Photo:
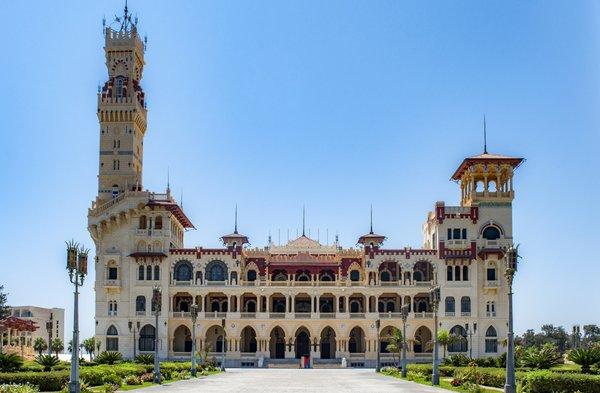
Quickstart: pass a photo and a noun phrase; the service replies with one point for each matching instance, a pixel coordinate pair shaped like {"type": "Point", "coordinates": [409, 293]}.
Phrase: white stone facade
{"type": "Point", "coordinates": [280, 302]}
{"type": "Point", "coordinates": [40, 316]}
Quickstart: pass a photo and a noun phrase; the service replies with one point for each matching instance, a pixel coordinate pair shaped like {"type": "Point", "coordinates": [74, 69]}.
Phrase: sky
{"type": "Point", "coordinates": [333, 105]}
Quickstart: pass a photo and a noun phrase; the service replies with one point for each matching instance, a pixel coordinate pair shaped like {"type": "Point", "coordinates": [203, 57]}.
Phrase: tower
{"type": "Point", "coordinates": [121, 111]}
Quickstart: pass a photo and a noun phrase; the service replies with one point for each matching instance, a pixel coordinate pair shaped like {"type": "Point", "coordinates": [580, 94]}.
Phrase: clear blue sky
{"type": "Point", "coordinates": [336, 105]}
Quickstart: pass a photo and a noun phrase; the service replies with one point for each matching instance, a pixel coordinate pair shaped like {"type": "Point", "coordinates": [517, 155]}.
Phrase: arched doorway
{"type": "Point", "coordinates": [182, 340]}
{"type": "Point", "coordinates": [423, 339]}
{"type": "Point", "coordinates": [302, 344]}
{"type": "Point", "coordinates": [277, 343]}
{"type": "Point", "coordinates": [356, 342]}
{"type": "Point", "coordinates": [248, 340]}
{"type": "Point", "coordinates": [328, 343]}
{"type": "Point", "coordinates": [214, 339]}
{"type": "Point", "coordinates": [146, 340]}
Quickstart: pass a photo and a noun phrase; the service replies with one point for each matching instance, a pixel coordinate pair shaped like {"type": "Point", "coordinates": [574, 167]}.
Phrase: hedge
{"type": "Point", "coordinates": [47, 381]}
{"type": "Point", "coordinates": [551, 382]}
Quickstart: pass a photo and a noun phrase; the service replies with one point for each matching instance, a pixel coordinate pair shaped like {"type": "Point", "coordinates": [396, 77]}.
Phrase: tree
{"type": "Point", "coordinates": [57, 346]}
{"type": "Point", "coordinates": [89, 344]}
{"type": "Point", "coordinates": [541, 358]}
{"type": "Point", "coordinates": [585, 357]}
{"type": "Point", "coordinates": [591, 334]}
{"type": "Point", "coordinates": [4, 309]}
{"type": "Point", "coordinates": [39, 345]}
{"type": "Point", "coordinates": [395, 344]}
{"type": "Point", "coordinates": [444, 338]}
{"type": "Point", "coordinates": [556, 335]}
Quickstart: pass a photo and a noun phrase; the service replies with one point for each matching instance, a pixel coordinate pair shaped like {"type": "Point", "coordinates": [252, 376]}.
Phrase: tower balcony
{"type": "Point", "coordinates": [112, 283]}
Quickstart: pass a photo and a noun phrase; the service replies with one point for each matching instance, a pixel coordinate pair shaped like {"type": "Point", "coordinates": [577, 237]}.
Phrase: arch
{"type": "Point", "coordinates": [450, 304]}
{"type": "Point", "coordinates": [216, 270]}
{"type": "Point", "coordinates": [302, 342]}
{"type": "Point", "coordinates": [279, 275]}
{"type": "Point", "coordinates": [327, 344]}
{"type": "Point", "coordinates": [156, 272]}
{"type": "Point", "coordinates": [149, 272]}
{"type": "Point", "coordinates": [491, 340]}
{"type": "Point", "coordinates": [465, 273]}
{"type": "Point", "coordinates": [183, 271]}
{"type": "Point", "coordinates": [141, 246]}
{"type": "Point", "coordinates": [277, 343]}
{"type": "Point", "coordinates": [326, 275]}
{"type": "Point", "coordinates": [449, 273]}
{"type": "Point", "coordinates": [386, 336]}
{"type": "Point", "coordinates": [457, 274]}
{"type": "Point", "coordinates": [491, 232]}
{"type": "Point", "coordinates": [141, 272]}
{"type": "Point", "coordinates": [423, 271]}
{"type": "Point", "coordinates": [385, 275]}
{"type": "Point", "coordinates": [214, 339]}
{"type": "Point", "coordinates": [158, 222]}
{"type": "Point", "coordinates": [182, 339]}
{"type": "Point", "coordinates": [423, 338]}
{"type": "Point", "coordinates": [140, 303]}
{"type": "Point", "coordinates": [460, 344]}
{"type": "Point", "coordinates": [147, 337]}
{"type": "Point", "coordinates": [303, 276]}
{"type": "Point", "coordinates": [465, 304]}
{"type": "Point", "coordinates": [112, 341]}
{"type": "Point", "coordinates": [356, 340]}
{"type": "Point", "coordinates": [248, 340]}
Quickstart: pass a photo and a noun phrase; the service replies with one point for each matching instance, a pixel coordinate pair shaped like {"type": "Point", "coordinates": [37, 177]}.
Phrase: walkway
{"type": "Point", "coordinates": [296, 380]}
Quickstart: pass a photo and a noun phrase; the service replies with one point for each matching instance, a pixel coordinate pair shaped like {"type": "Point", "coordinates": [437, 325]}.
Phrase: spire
{"type": "Point", "coordinates": [168, 182]}
{"type": "Point", "coordinates": [303, 220]}
{"type": "Point", "coordinates": [371, 232]}
{"type": "Point", "coordinates": [484, 136]}
{"type": "Point", "coordinates": [235, 227]}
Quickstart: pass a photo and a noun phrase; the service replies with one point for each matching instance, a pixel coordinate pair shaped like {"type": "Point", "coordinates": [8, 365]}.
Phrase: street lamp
{"type": "Point", "coordinates": [223, 346]}
{"type": "Point", "coordinates": [512, 260]}
{"type": "Point", "coordinates": [404, 315]}
{"type": "Point", "coordinates": [377, 325]}
{"type": "Point", "coordinates": [156, 305]}
{"type": "Point", "coordinates": [470, 333]}
{"type": "Point", "coordinates": [77, 268]}
{"type": "Point", "coordinates": [49, 330]}
{"type": "Point", "coordinates": [434, 297]}
{"type": "Point", "coordinates": [132, 328]}
{"type": "Point", "coordinates": [194, 315]}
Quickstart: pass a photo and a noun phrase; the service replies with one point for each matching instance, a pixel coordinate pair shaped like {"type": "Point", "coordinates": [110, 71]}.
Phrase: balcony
{"type": "Point", "coordinates": [277, 315]}
{"type": "Point", "coordinates": [491, 284]}
{"type": "Point", "coordinates": [327, 315]}
{"type": "Point", "coordinates": [423, 315]}
{"type": "Point", "coordinates": [140, 313]}
{"type": "Point", "coordinates": [423, 283]}
{"type": "Point", "coordinates": [357, 315]}
{"type": "Point", "coordinates": [491, 243]}
{"type": "Point", "coordinates": [248, 315]}
{"type": "Point", "coordinates": [181, 314]}
{"type": "Point", "coordinates": [490, 314]}
{"type": "Point", "coordinates": [457, 244]}
{"type": "Point", "coordinates": [215, 283]}
{"type": "Point", "coordinates": [389, 283]}
{"type": "Point", "coordinates": [450, 313]}
{"type": "Point", "coordinates": [185, 283]}
{"type": "Point", "coordinates": [465, 313]}
{"type": "Point", "coordinates": [112, 313]}
{"type": "Point", "coordinates": [390, 315]}
{"type": "Point", "coordinates": [112, 283]}
{"type": "Point", "coordinates": [302, 315]}
{"type": "Point", "coordinates": [215, 315]}
{"type": "Point", "coordinates": [153, 232]}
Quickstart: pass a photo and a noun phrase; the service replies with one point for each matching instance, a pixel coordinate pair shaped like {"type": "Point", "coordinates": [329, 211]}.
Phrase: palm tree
{"type": "Point", "coordinates": [444, 338]}
{"type": "Point", "coordinates": [585, 357]}
{"type": "Point", "coordinates": [89, 344]}
{"type": "Point", "coordinates": [57, 346]}
{"type": "Point", "coordinates": [395, 343]}
{"type": "Point", "coordinates": [39, 345]}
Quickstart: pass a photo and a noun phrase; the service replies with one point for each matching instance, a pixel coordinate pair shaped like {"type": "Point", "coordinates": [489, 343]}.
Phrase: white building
{"type": "Point", "coordinates": [283, 302]}
{"type": "Point", "coordinates": [40, 316]}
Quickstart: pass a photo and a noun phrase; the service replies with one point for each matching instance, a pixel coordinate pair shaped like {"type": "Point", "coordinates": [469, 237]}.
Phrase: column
{"type": "Point", "coordinates": [287, 304]}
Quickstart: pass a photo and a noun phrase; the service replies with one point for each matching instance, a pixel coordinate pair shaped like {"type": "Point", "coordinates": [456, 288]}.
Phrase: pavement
{"type": "Point", "coordinates": [296, 380]}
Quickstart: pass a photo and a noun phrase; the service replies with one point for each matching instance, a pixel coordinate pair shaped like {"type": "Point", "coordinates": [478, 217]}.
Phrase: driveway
{"type": "Point", "coordinates": [295, 380]}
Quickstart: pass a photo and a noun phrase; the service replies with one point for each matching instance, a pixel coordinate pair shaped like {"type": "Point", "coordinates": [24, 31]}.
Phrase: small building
{"type": "Point", "coordinates": [40, 316]}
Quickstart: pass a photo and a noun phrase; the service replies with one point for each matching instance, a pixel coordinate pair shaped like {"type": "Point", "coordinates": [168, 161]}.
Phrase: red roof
{"type": "Point", "coordinates": [22, 325]}
{"type": "Point", "coordinates": [175, 209]}
{"type": "Point", "coordinates": [486, 158]}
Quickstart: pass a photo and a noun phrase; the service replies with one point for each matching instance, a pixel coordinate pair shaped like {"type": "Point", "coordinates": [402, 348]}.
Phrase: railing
{"type": "Point", "coordinates": [492, 283]}
{"type": "Point", "coordinates": [327, 315]}
{"type": "Point", "coordinates": [248, 315]}
{"type": "Point", "coordinates": [185, 283]}
{"type": "Point", "coordinates": [465, 313]}
{"type": "Point", "coordinates": [152, 232]}
{"type": "Point", "coordinates": [248, 355]}
{"type": "Point", "coordinates": [450, 313]}
{"type": "Point", "coordinates": [277, 315]}
{"type": "Point", "coordinates": [215, 314]}
{"type": "Point", "coordinates": [112, 313]}
{"type": "Point", "coordinates": [357, 315]}
{"type": "Point", "coordinates": [356, 283]}
{"type": "Point", "coordinates": [423, 283]}
{"type": "Point", "coordinates": [357, 355]}
{"type": "Point", "coordinates": [112, 283]}
{"type": "Point", "coordinates": [390, 315]}
{"type": "Point", "coordinates": [389, 283]}
{"type": "Point", "coordinates": [492, 243]}
{"type": "Point", "coordinates": [215, 283]}
{"type": "Point", "coordinates": [423, 315]}
{"type": "Point", "coordinates": [490, 314]}
{"type": "Point", "coordinates": [457, 243]}
{"type": "Point", "coordinates": [181, 314]}
{"type": "Point", "coordinates": [302, 315]}
{"type": "Point", "coordinates": [140, 313]}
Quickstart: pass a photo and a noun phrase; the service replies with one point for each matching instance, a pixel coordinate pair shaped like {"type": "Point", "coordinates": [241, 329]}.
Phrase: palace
{"type": "Point", "coordinates": [277, 303]}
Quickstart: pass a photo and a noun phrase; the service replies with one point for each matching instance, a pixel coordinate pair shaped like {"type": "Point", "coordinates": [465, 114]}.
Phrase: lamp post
{"type": "Point", "coordinates": [156, 305]}
{"type": "Point", "coordinates": [223, 346]}
{"type": "Point", "coordinates": [512, 260]}
{"type": "Point", "coordinates": [194, 315]}
{"type": "Point", "coordinates": [77, 268]}
{"type": "Point", "coordinates": [404, 315]}
{"type": "Point", "coordinates": [132, 328]}
{"type": "Point", "coordinates": [434, 296]}
{"type": "Point", "coordinates": [470, 343]}
{"type": "Point", "coordinates": [49, 330]}
{"type": "Point", "coordinates": [377, 325]}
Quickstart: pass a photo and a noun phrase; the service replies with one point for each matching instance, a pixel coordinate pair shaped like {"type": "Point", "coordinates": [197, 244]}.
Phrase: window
{"type": "Point", "coordinates": [465, 304]}
{"type": "Point", "coordinates": [140, 304]}
{"type": "Point", "coordinates": [491, 274]}
{"type": "Point", "coordinates": [141, 273]}
{"type": "Point", "coordinates": [490, 309]}
{"type": "Point", "coordinates": [354, 275]}
{"type": "Point", "coordinates": [115, 190]}
{"type": "Point", "coordinates": [456, 233]}
{"type": "Point", "coordinates": [112, 341]}
{"type": "Point", "coordinates": [148, 272]}
{"type": "Point", "coordinates": [449, 274]}
{"type": "Point", "coordinates": [183, 271]}
{"type": "Point", "coordinates": [465, 271]}
{"type": "Point", "coordinates": [457, 273]}
{"type": "Point", "coordinates": [251, 275]}
{"type": "Point", "coordinates": [146, 340]}
{"type": "Point", "coordinates": [385, 276]}
{"type": "Point", "coordinates": [112, 273]}
{"type": "Point", "coordinates": [119, 84]}
{"type": "Point", "coordinates": [491, 340]}
{"type": "Point", "coordinates": [450, 304]}
{"type": "Point", "coordinates": [158, 222]}
{"type": "Point", "coordinates": [464, 233]}
{"type": "Point", "coordinates": [157, 272]}
{"type": "Point", "coordinates": [216, 271]}
{"type": "Point", "coordinates": [461, 342]}
{"type": "Point", "coordinates": [142, 222]}
{"type": "Point", "coordinates": [491, 233]}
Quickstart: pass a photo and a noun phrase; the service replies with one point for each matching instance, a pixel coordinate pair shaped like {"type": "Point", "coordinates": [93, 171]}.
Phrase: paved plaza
{"type": "Point", "coordinates": [296, 380]}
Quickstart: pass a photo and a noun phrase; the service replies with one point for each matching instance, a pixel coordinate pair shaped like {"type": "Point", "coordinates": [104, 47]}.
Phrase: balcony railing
{"type": "Point", "coordinates": [302, 315]}
{"type": "Point", "coordinates": [185, 283]}
{"type": "Point", "coordinates": [492, 283]}
{"type": "Point", "coordinates": [450, 313]}
{"type": "Point", "coordinates": [248, 315]}
{"type": "Point", "coordinates": [465, 313]}
{"type": "Point", "coordinates": [423, 315]}
{"type": "Point", "coordinates": [215, 283]}
{"type": "Point", "coordinates": [357, 315]}
{"type": "Point", "coordinates": [327, 315]}
{"type": "Point", "coordinates": [423, 283]}
{"type": "Point", "coordinates": [112, 282]}
{"type": "Point", "coordinates": [389, 283]}
{"type": "Point", "coordinates": [277, 315]}
{"type": "Point", "coordinates": [112, 313]}
{"type": "Point", "coordinates": [457, 244]}
{"type": "Point", "coordinates": [140, 313]}
{"type": "Point", "coordinates": [181, 314]}
{"type": "Point", "coordinates": [215, 315]}
{"type": "Point", "coordinates": [490, 314]}
{"type": "Point", "coordinates": [390, 315]}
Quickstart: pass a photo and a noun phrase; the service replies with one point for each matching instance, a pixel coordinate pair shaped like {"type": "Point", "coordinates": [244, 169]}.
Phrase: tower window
{"type": "Point", "coordinates": [120, 82]}
{"type": "Point", "coordinates": [491, 233]}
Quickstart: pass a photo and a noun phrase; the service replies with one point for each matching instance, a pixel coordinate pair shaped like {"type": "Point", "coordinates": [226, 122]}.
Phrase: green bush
{"type": "Point", "coordinates": [585, 357]}
{"type": "Point", "coordinates": [145, 359]}
{"type": "Point", "coordinates": [550, 382]}
{"type": "Point", "coordinates": [133, 380]}
{"type": "Point", "coordinates": [52, 381]}
{"type": "Point", "coordinates": [457, 360]}
{"type": "Point", "coordinates": [109, 357]}
{"type": "Point", "coordinates": [47, 361]}
{"type": "Point", "coordinates": [111, 379]}
{"type": "Point", "coordinates": [10, 362]}
{"type": "Point", "coordinates": [541, 358]}
{"type": "Point", "coordinates": [18, 389]}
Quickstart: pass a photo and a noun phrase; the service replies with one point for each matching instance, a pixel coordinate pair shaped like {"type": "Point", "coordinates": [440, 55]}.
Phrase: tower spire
{"type": "Point", "coordinates": [484, 136]}
{"type": "Point", "coordinates": [235, 230]}
{"type": "Point", "coordinates": [303, 220]}
{"type": "Point", "coordinates": [168, 181]}
{"type": "Point", "coordinates": [371, 232]}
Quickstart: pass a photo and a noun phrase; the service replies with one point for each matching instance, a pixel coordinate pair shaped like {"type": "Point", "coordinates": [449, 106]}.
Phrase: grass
{"type": "Point", "coordinates": [444, 383]}
{"type": "Point", "coordinates": [125, 388]}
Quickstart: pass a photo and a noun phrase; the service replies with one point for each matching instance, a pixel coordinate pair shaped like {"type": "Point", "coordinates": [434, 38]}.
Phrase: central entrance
{"type": "Point", "coordinates": [302, 342]}
{"type": "Point", "coordinates": [327, 343]}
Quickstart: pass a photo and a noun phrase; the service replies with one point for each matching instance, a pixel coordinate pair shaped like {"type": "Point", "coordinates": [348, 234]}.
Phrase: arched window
{"type": "Point", "coordinates": [457, 273]}
{"type": "Point", "coordinates": [112, 341]}
{"type": "Point", "coordinates": [491, 340]}
{"type": "Point", "coordinates": [158, 222]}
{"type": "Point", "coordinates": [449, 273]}
{"type": "Point", "coordinates": [490, 309]}
{"type": "Point", "coordinates": [465, 304]}
{"type": "Point", "coordinates": [303, 277]}
{"type": "Point", "coordinates": [491, 233]}
{"type": "Point", "coordinates": [183, 271]}
{"type": "Point", "coordinates": [146, 340]}
{"type": "Point", "coordinates": [143, 222]}
{"type": "Point", "coordinates": [355, 275]}
{"type": "Point", "coordinates": [119, 87]}
{"type": "Point", "coordinates": [251, 275]}
{"type": "Point", "coordinates": [157, 272]}
{"type": "Point", "coordinates": [141, 272]}
{"type": "Point", "coordinates": [465, 271]}
{"type": "Point", "coordinates": [148, 272]}
{"type": "Point", "coordinates": [280, 276]}
{"type": "Point", "coordinates": [450, 305]}
{"type": "Point", "coordinates": [460, 344]}
{"type": "Point", "coordinates": [140, 304]}
{"type": "Point", "coordinates": [216, 271]}
{"type": "Point", "coordinates": [385, 276]}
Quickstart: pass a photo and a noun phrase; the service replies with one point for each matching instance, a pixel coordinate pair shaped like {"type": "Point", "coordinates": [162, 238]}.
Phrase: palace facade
{"type": "Point", "coordinates": [280, 302]}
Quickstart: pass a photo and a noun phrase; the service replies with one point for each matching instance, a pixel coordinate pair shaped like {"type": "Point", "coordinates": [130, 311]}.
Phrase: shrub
{"type": "Point", "coordinates": [111, 379]}
{"type": "Point", "coordinates": [47, 361]}
{"type": "Point", "coordinates": [10, 362]}
{"type": "Point", "coordinates": [148, 377]}
{"type": "Point", "coordinates": [470, 387]}
{"type": "Point", "coordinates": [52, 381]}
{"type": "Point", "coordinates": [133, 380]}
{"type": "Point", "coordinates": [585, 357]}
{"type": "Point", "coordinates": [541, 358]}
{"type": "Point", "coordinates": [109, 357]}
{"type": "Point", "coordinates": [18, 388]}
{"type": "Point", "coordinates": [144, 359]}
{"type": "Point", "coordinates": [550, 382]}
{"type": "Point", "coordinates": [457, 360]}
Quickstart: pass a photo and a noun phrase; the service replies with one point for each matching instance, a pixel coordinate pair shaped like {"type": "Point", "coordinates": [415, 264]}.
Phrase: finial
{"type": "Point", "coordinates": [371, 232]}
{"type": "Point", "coordinates": [235, 226]}
{"type": "Point", "coordinates": [484, 136]}
{"type": "Point", "coordinates": [303, 220]}
{"type": "Point", "coordinates": [168, 181]}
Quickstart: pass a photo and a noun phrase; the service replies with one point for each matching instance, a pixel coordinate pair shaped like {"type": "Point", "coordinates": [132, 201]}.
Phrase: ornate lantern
{"type": "Point", "coordinates": [72, 249]}
{"type": "Point", "coordinates": [83, 258]}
